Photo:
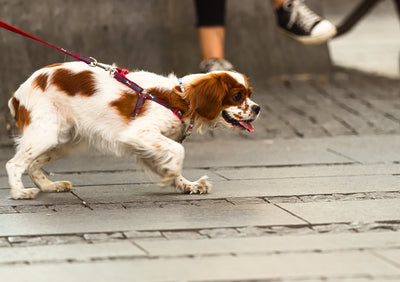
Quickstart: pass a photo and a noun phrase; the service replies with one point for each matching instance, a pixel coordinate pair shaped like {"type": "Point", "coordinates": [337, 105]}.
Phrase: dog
{"type": "Point", "coordinates": [62, 106]}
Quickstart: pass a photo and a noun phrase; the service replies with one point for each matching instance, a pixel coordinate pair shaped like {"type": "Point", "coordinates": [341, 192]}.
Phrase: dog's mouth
{"type": "Point", "coordinates": [242, 124]}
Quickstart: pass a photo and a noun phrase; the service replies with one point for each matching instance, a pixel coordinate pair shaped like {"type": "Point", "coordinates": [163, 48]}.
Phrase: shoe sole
{"type": "Point", "coordinates": [310, 40]}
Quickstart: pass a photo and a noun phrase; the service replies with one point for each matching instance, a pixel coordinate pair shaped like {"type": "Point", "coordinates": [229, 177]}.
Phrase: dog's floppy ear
{"type": "Point", "coordinates": [206, 95]}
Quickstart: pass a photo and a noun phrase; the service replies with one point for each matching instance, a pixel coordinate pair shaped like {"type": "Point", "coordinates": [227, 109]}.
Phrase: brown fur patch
{"type": "Point", "coordinates": [22, 114]}
{"type": "Point", "coordinates": [125, 105]}
{"type": "Point", "coordinates": [82, 83]}
{"type": "Point", "coordinates": [172, 97]}
{"type": "Point", "coordinates": [53, 65]}
{"type": "Point", "coordinates": [41, 81]}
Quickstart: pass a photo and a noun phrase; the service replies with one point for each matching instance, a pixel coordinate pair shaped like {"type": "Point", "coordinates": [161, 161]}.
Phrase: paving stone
{"type": "Point", "coordinates": [68, 252]}
{"type": "Point", "coordinates": [139, 205]}
{"type": "Point", "coordinates": [146, 219]}
{"type": "Point", "coordinates": [41, 199]}
{"type": "Point", "coordinates": [7, 209]}
{"type": "Point", "coordinates": [101, 237]}
{"type": "Point", "coordinates": [142, 195]}
{"type": "Point", "coordinates": [371, 149]}
{"type": "Point", "coordinates": [284, 199]}
{"type": "Point", "coordinates": [354, 263]}
{"type": "Point", "coordinates": [272, 244]}
{"type": "Point", "coordinates": [309, 171]}
{"type": "Point", "coordinates": [23, 240]}
{"type": "Point", "coordinates": [62, 239]}
{"type": "Point", "coordinates": [344, 211]}
{"type": "Point", "coordinates": [107, 206]}
{"type": "Point", "coordinates": [246, 201]}
{"type": "Point", "coordinates": [4, 242]}
{"type": "Point", "coordinates": [335, 228]}
{"type": "Point", "coordinates": [68, 208]}
{"type": "Point", "coordinates": [34, 209]}
{"type": "Point", "coordinates": [91, 161]}
{"type": "Point", "coordinates": [251, 231]}
{"type": "Point", "coordinates": [142, 234]}
{"type": "Point", "coordinates": [220, 232]}
{"type": "Point", "coordinates": [186, 235]}
{"type": "Point", "coordinates": [392, 255]}
{"type": "Point", "coordinates": [285, 152]}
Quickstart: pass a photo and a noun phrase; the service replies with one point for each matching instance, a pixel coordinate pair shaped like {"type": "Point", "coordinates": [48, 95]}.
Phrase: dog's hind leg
{"type": "Point", "coordinates": [26, 153]}
{"type": "Point", "coordinates": [38, 138]}
{"type": "Point", "coordinates": [38, 177]}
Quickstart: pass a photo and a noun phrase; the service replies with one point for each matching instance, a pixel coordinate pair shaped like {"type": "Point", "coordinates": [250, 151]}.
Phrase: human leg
{"type": "Point", "coordinates": [211, 32]}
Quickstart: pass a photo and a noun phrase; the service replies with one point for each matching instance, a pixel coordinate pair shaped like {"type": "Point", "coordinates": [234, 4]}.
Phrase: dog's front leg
{"type": "Point", "coordinates": [165, 157]}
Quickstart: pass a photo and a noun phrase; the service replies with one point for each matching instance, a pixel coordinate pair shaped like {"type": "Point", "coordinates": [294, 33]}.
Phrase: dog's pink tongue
{"type": "Point", "coordinates": [247, 125]}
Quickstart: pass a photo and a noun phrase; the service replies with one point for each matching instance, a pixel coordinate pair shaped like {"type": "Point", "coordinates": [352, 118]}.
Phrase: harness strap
{"type": "Point", "coordinates": [118, 74]}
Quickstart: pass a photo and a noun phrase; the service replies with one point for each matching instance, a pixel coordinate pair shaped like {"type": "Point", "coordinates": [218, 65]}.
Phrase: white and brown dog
{"type": "Point", "coordinates": [65, 105]}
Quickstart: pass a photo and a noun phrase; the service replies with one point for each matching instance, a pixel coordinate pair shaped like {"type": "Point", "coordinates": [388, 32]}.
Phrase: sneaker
{"type": "Point", "coordinates": [297, 21]}
{"type": "Point", "coordinates": [215, 65]}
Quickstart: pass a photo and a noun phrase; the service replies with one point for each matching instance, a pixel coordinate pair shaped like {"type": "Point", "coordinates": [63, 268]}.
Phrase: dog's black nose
{"type": "Point", "coordinates": [256, 108]}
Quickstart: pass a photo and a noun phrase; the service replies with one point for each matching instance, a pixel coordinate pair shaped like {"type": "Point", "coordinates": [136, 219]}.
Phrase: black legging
{"type": "Point", "coordinates": [210, 12]}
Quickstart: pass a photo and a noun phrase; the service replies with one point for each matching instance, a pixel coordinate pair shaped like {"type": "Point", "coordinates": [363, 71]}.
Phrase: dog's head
{"type": "Point", "coordinates": [223, 98]}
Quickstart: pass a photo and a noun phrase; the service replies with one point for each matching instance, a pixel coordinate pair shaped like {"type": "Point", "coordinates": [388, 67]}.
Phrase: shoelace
{"type": "Point", "coordinates": [301, 14]}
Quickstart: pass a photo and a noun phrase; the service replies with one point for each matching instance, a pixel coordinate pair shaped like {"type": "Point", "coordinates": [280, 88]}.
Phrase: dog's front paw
{"type": "Point", "coordinates": [201, 186]}
{"type": "Point", "coordinates": [24, 194]}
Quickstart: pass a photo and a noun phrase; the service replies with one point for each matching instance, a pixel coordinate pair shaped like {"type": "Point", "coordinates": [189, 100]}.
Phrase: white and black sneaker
{"type": "Point", "coordinates": [297, 21]}
{"type": "Point", "coordinates": [216, 65]}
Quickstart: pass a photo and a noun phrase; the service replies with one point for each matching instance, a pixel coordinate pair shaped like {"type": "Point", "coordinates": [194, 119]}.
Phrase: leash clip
{"type": "Point", "coordinates": [109, 68]}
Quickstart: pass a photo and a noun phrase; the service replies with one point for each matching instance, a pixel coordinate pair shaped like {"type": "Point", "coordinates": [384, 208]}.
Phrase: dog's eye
{"type": "Point", "coordinates": [237, 96]}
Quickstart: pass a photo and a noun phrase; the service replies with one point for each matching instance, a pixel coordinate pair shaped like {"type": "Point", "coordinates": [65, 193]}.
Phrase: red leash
{"type": "Point", "coordinates": [119, 74]}
{"type": "Point", "coordinates": [82, 58]}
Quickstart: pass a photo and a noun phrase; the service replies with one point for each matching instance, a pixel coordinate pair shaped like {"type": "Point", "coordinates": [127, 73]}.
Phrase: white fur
{"type": "Point", "coordinates": [60, 123]}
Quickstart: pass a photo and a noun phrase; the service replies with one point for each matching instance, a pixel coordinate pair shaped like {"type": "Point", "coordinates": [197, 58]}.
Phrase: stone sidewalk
{"type": "Point", "coordinates": [312, 195]}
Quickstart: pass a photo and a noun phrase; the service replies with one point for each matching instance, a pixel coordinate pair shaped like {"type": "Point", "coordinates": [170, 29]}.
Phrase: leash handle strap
{"type": "Point", "coordinates": [72, 54]}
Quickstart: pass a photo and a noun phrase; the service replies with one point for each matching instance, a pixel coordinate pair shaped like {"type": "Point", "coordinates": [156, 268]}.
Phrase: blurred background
{"type": "Point", "coordinates": [161, 36]}
{"type": "Point", "coordinates": [373, 45]}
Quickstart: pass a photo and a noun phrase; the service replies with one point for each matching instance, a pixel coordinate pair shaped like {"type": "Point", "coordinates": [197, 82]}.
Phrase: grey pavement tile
{"type": "Point", "coordinates": [238, 189]}
{"type": "Point", "coordinates": [184, 235]}
{"type": "Point", "coordinates": [274, 243]}
{"type": "Point", "coordinates": [369, 149]}
{"type": "Point", "coordinates": [352, 211]}
{"type": "Point", "coordinates": [308, 171]}
{"type": "Point", "coordinates": [91, 162]}
{"type": "Point", "coordinates": [69, 252]}
{"type": "Point", "coordinates": [260, 152]}
{"type": "Point", "coordinates": [7, 209]}
{"type": "Point", "coordinates": [392, 255]}
{"type": "Point", "coordinates": [4, 242]}
{"type": "Point", "coordinates": [41, 199]}
{"type": "Point", "coordinates": [111, 177]}
{"type": "Point", "coordinates": [146, 219]}
{"type": "Point", "coordinates": [102, 237]}
{"type": "Point", "coordinates": [243, 267]}
{"type": "Point", "coordinates": [142, 234]}
{"type": "Point", "coordinates": [25, 179]}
